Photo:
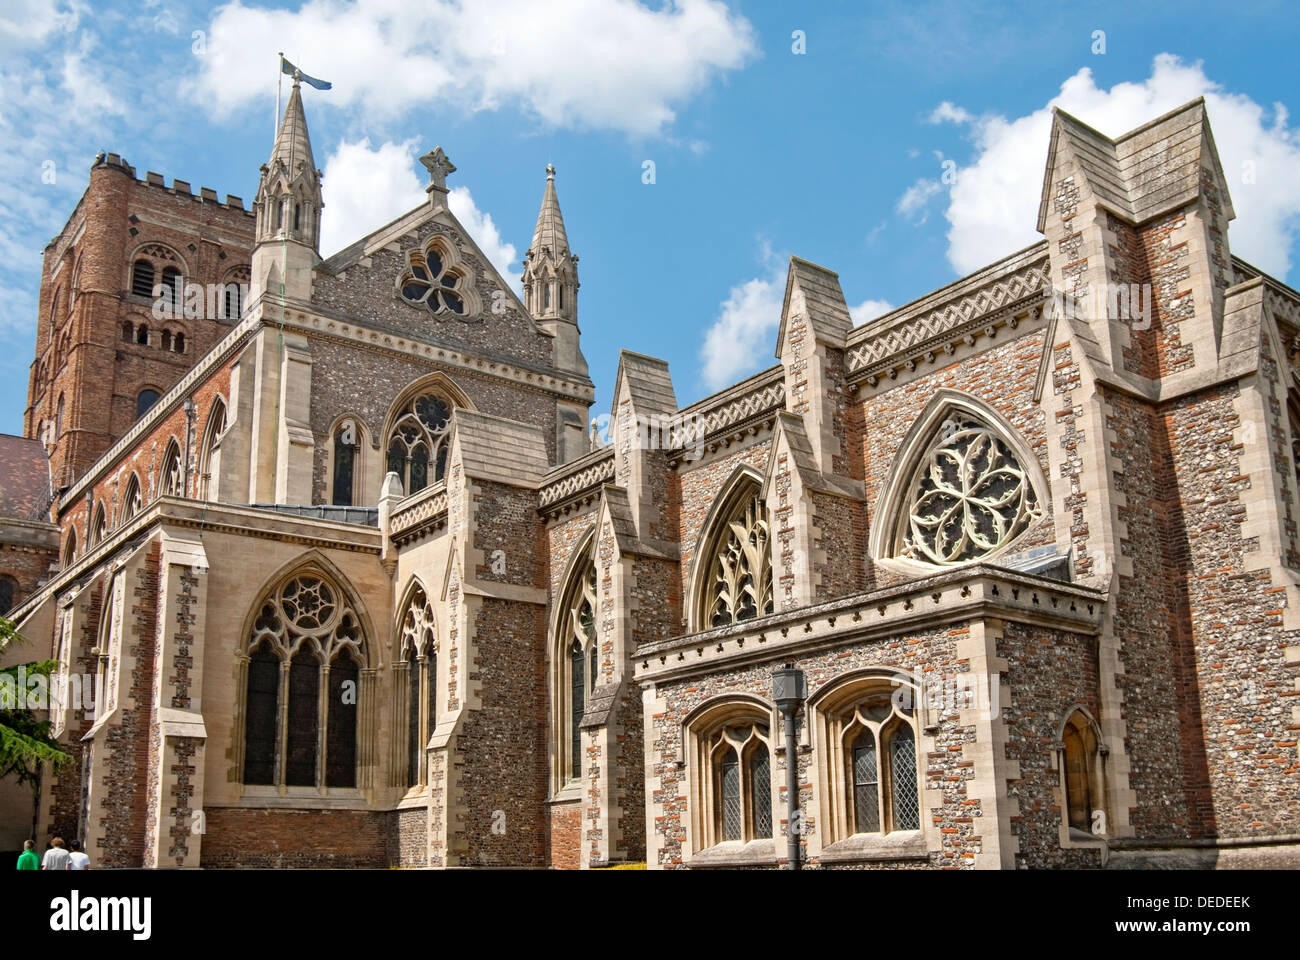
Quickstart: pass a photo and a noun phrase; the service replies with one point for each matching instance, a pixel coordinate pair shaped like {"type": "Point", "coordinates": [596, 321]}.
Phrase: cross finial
{"type": "Point", "coordinates": [550, 171]}
{"type": "Point", "coordinates": [438, 165]}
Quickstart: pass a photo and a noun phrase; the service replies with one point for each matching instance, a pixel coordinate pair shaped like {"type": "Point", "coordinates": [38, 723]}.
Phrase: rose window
{"type": "Point", "coordinates": [430, 281]}
{"type": "Point", "coordinates": [969, 496]}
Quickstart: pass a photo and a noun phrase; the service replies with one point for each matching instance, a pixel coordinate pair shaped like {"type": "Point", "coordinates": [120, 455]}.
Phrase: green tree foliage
{"type": "Point", "coordinates": [25, 741]}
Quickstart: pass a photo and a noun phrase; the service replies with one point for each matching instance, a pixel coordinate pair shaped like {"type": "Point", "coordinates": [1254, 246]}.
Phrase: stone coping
{"type": "Point", "coordinates": [950, 596]}
{"type": "Point", "coordinates": [236, 519]}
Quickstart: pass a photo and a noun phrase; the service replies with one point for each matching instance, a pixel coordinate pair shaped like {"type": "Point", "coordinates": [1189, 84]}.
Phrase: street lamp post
{"type": "Point", "coordinates": [788, 693]}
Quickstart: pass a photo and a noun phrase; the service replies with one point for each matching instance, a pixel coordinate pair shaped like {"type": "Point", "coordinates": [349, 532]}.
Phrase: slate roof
{"type": "Point", "coordinates": [24, 478]}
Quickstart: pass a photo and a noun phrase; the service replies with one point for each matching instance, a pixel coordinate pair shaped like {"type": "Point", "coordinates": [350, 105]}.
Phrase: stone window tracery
{"type": "Point", "coordinates": [575, 663]}
{"type": "Point", "coordinates": [730, 751]}
{"type": "Point", "coordinates": [171, 481]}
{"type": "Point", "coordinates": [419, 658]}
{"type": "Point", "coordinates": [867, 729]}
{"type": "Point", "coordinates": [306, 641]}
{"type": "Point", "coordinates": [417, 441]}
{"type": "Point", "coordinates": [433, 281]}
{"type": "Point", "coordinates": [131, 500]}
{"type": "Point", "coordinates": [738, 582]}
{"type": "Point", "coordinates": [967, 497]}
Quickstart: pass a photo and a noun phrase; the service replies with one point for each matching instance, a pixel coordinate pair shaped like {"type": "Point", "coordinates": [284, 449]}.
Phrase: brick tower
{"type": "Point", "coordinates": [140, 282]}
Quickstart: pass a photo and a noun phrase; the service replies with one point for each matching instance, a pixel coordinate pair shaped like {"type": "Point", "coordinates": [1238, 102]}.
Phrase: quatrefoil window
{"type": "Point", "coordinates": [432, 282]}
{"type": "Point", "coordinates": [968, 496]}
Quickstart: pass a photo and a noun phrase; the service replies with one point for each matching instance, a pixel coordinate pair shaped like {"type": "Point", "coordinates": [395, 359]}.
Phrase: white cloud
{"type": "Point", "coordinates": [948, 112]}
{"type": "Point", "coordinates": [743, 337]}
{"type": "Point", "coordinates": [745, 328]}
{"type": "Point", "coordinates": [869, 310]}
{"type": "Point", "coordinates": [993, 205]}
{"type": "Point", "coordinates": [25, 24]}
{"type": "Point", "coordinates": [503, 255]}
{"type": "Point", "coordinates": [746, 324]}
{"type": "Point", "coordinates": [611, 64]}
{"type": "Point", "coordinates": [915, 198]}
{"type": "Point", "coordinates": [366, 187]}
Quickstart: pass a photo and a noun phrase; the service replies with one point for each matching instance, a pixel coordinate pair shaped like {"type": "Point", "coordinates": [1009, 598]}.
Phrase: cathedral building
{"type": "Point", "coordinates": [338, 576]}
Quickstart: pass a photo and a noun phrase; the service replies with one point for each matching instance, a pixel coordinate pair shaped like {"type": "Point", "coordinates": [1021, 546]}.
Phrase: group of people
{"type": "Point", "coordinates": [58, 857]}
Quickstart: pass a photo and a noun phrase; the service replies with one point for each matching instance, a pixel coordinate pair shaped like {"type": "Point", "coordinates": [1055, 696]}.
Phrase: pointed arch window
{"type": "Point", "coordinates": [1081, 781]}
{"type": "Point", "coordinates": [736, 562]}
{"type": "Point", "coordinates": [303, 662]}
{"type": "Point", "coordinates": [419, 657]}
{"type": "Point", "coordinates": [432, 280]}
{"type": "Point", "coordinates": [98, 525]}
{"type": "Point", "coordinates": [417, 442]}
{"type": "Point", "coordinates": [70, 548]}
{"type": "Point", "coordinates": [576, 662]}
{"type": "Point", "coordinates": [869, 729]}
{"type": "Point", "coordinates": [131, 499]}
{"type": "Point", "coordinates": [171, 481]}
{"type": "Point", "coordinates": [730, 756]}
{"type": "Point", "coordinates": [209, 454]}
{"type": "Point", "coordinates": [964, 490]}
{"type": "Point", "coordinates": [346, 448]}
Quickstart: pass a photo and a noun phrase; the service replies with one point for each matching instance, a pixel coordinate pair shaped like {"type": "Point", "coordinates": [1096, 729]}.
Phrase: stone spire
{"type": "Point", "coordinates": [550, 270]}
{"type": "Point", "coordinates": [288, 208]}
{"type": "Point", "coordinates": [550, 224]}
{"type": "Point", "coordinates": [551, 281]}
{"type": "Point", "coordinates": [289, 197]}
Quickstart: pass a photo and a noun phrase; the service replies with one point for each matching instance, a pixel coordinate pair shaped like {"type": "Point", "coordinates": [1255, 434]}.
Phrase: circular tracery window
{"type": "Point", "coordinates": [430, 281]}
{"type": "Point", "coordinates": [968, 497]}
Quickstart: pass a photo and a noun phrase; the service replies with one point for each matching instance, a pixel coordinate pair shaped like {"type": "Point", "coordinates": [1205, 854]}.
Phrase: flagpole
{"type": "Point", "coordinates": [279, 81]}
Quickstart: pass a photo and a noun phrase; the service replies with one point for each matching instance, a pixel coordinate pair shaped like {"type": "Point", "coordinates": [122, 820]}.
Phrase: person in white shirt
{"type": "Point", "coordinates": [56, 858]}
{"type": "Point", "coordinates": [77, 859]}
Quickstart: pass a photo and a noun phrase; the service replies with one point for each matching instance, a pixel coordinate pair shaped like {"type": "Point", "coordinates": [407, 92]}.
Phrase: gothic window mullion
{"type": "Point", "coordinates": [322, 724]}
{"type": "Point", "coordinates": [282, 737]}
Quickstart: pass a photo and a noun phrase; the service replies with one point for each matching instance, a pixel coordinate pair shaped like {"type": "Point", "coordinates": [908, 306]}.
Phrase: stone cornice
{"type": "Point", "coordinates": [969, 593]}
{"type": "Point", "coordinates": [234, 519]}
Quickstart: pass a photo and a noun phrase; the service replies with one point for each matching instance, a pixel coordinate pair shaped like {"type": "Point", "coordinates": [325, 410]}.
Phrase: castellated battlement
{"type": "Point", "coordinates": [179, 187]}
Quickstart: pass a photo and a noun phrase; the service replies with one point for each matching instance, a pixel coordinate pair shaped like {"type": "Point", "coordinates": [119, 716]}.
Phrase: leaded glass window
{"type": "Point", "coordinates": [732, 810]}
{"type": "Point", "coordinates": [304, 696]}
{"type": "Point", "coordinates": [345, 453]}
{"type": "Point", "coordinates": [419, 651]}
{"type": "Point", "coordinates": [261, 715]}
{"type": "Point", "coordinates": [968, 497]}
{"type": "Point", "coordinates": [306, 622]}
{"type": "Point", "coordinates": [341, 768]}
{"type": "Point", "coordinates": [431, 281]}
{"type": "Point", "coordinates": [580, 661]}
{"type": "Point", "coordinates": [577, 706]}
{"type": "Point", "coordinates": [866, 784]}
{"type": "Point", "coordinates": [760, 778]}
{"type": "Point", "coordinates": [880, 758]}
{"type": "Point", "coordinates": [417, 443]}
{"type": "Point", "coordinates": [902, 778]}
{"type": "Point", "coordinates": [739, 756]}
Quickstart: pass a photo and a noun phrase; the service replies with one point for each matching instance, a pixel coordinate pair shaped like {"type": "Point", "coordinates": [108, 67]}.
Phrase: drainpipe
{"type": "Point", "coordinates": [788, 693]}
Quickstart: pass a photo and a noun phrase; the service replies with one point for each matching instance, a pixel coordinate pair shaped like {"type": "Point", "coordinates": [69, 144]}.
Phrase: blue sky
{"type": "Point", "coordinates": [836, 154]}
